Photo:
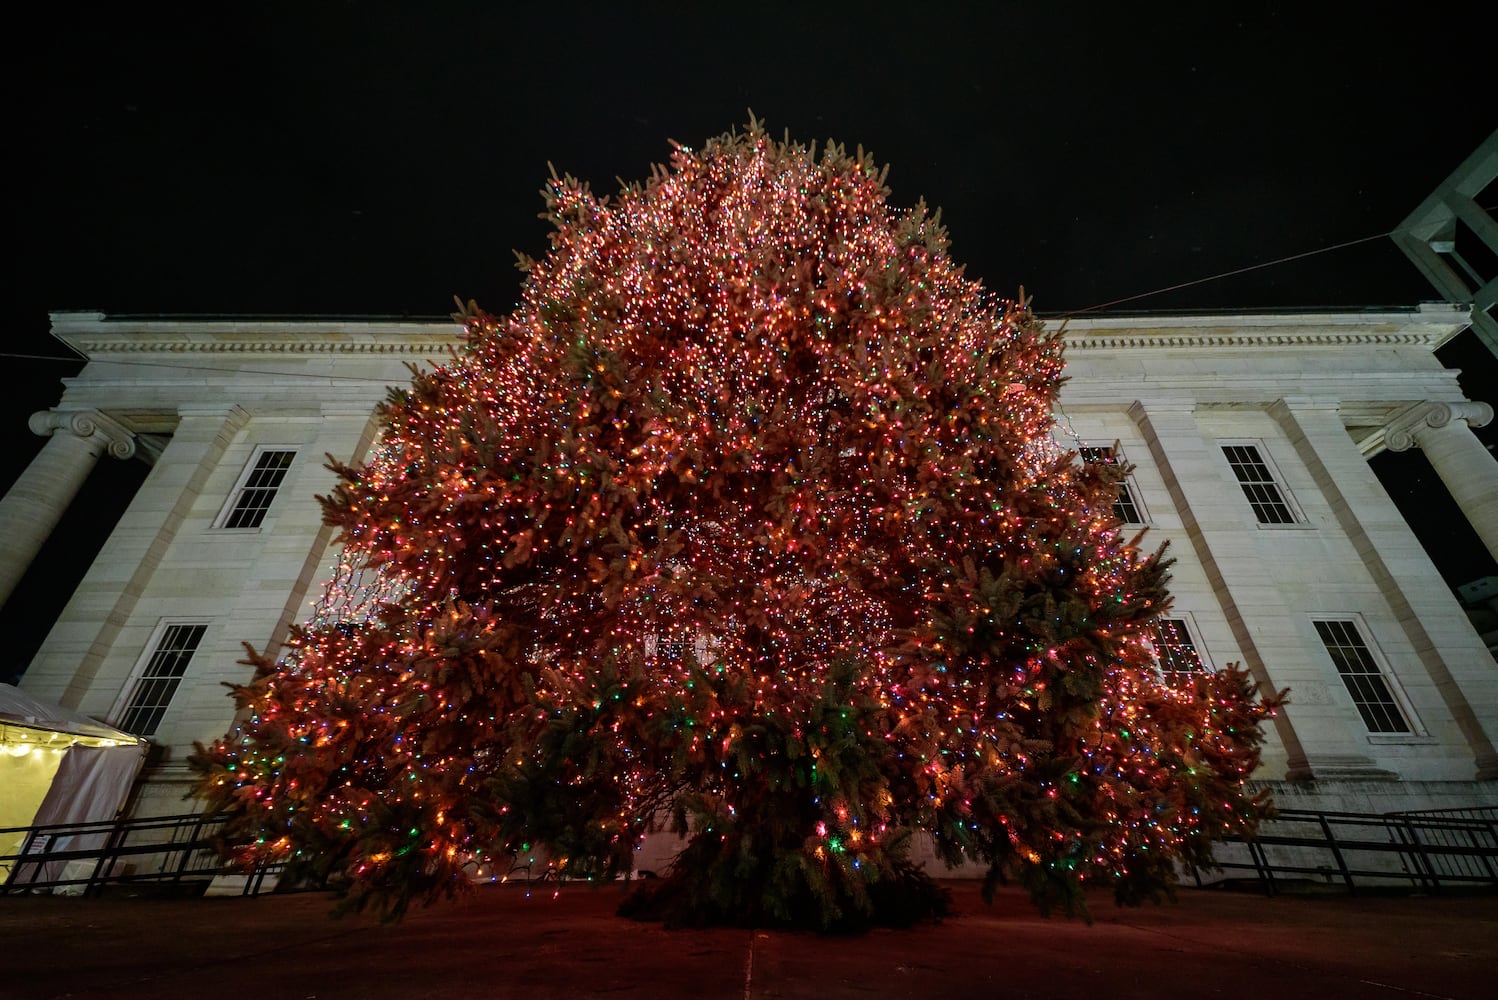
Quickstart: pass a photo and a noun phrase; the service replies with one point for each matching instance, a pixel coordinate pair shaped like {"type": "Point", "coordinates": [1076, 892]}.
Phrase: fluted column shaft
{"type": "Point", "coordinates": [34, 504]}
{"type": "Point", "coordinates": [1443, 431]}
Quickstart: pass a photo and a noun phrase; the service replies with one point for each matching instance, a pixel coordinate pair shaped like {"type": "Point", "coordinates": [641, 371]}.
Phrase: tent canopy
{"type": "Point", "coordinates": [58, 766]}
{"type": "Point", "coordinates": [20, 710]}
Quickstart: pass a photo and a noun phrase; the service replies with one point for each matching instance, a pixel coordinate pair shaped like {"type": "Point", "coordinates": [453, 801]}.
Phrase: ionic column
{"type": "Point", "coordinates": [32, 507]}
{"type": "Point", "coordinates": [1444, 432]}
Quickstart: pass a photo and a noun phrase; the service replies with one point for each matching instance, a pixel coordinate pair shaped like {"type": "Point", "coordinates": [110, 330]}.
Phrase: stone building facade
{"type": "Point", "coordinates": [1249, 437]}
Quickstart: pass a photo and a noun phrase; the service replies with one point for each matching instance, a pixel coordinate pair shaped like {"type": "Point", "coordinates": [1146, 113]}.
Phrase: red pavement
{"type": "Point", "coordinates": [501, 943]}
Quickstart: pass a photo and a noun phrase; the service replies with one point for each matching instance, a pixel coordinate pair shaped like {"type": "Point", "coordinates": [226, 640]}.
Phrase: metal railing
{"type": "Point", "coordinates": [168, 851]}
{"type": "Point", "coordinates": [1424, 850]}
{"type": "Point", "coordinates": [85, 857]}
{"type": "Point", "coordinates": [1427, 850]}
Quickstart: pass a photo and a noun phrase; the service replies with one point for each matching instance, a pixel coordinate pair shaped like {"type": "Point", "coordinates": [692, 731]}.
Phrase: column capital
{"type": "Point", "coordinates": [86, 424]}
{"type": "Point", "coordinates": [1403, 431]}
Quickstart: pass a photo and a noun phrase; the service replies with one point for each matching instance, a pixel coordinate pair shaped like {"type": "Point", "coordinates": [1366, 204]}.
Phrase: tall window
{"type": "Point", "coordinates": [678, 649]}
{"type": "Point", "coordinates": [257, 488]}
{"type": "Point", "coordinates": [159, 679]}
{"type": "Point", "coordinates": [1127, 507]}
{"type": "Point", "coordinates": [1175, 651]}
{"type": "Point", "coordinates": [1265, 494]}
{"type": "Point", "coordinates": [1359, 670]}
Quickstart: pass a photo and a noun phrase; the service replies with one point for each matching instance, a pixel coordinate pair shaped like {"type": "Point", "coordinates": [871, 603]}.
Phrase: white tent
{"type": "Point", "coordinates": [58, 766]}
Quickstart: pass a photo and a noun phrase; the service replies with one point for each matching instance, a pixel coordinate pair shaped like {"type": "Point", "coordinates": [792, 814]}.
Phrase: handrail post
{"type": "Point", "coordinates": [1262, 867]}
{"type": "Point", "coordinates": [187, 849]}
{"type": "Point", "coordinates": [1432, 878]}
{"type": "Point", "coordinates": [1485, 852]}
{"type": "Point", "coordinates": [107, 857]}
{"type": "Point", "coordinates": [1331, 842]}
{"type": "Point", "coordinates": [26, 852]}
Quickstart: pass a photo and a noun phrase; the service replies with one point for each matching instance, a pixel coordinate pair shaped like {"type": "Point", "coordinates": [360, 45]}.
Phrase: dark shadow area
{"type": "Point", "coordinates": [1439, 524]}
{"type": "Point", "coordinates": [67, 555]}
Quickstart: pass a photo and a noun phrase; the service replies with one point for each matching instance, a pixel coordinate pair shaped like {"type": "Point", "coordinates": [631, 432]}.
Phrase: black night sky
{"type": "Point", "coordinates": [363, 158]}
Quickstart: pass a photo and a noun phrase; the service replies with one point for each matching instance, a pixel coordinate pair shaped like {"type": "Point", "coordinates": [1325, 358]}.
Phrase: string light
{"type": "Point", "coordinates": [749, 514]}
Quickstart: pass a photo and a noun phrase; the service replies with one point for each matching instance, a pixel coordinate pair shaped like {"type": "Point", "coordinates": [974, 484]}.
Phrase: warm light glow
{"type": "Point", "coordinates": [751, 508]}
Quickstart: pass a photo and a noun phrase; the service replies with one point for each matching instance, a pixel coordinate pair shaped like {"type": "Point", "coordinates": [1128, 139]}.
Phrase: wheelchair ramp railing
{"type": "Point", "coordinates": [83, 858]}
{"type": "Point", "coordinates": [1425, 851]}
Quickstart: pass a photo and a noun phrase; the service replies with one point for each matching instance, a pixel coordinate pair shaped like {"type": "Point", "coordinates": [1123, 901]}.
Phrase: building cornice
{"type": "Point", "coordinates": [1314, 338]}
{"type": "Point", "coordinates": [1428, 327]}
{"type": "Point", "coordinates": [93, 334]}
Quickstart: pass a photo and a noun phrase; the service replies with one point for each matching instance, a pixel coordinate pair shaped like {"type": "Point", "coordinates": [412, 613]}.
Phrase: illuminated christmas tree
{"type": "Point", "coordinates": [746, 521]}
